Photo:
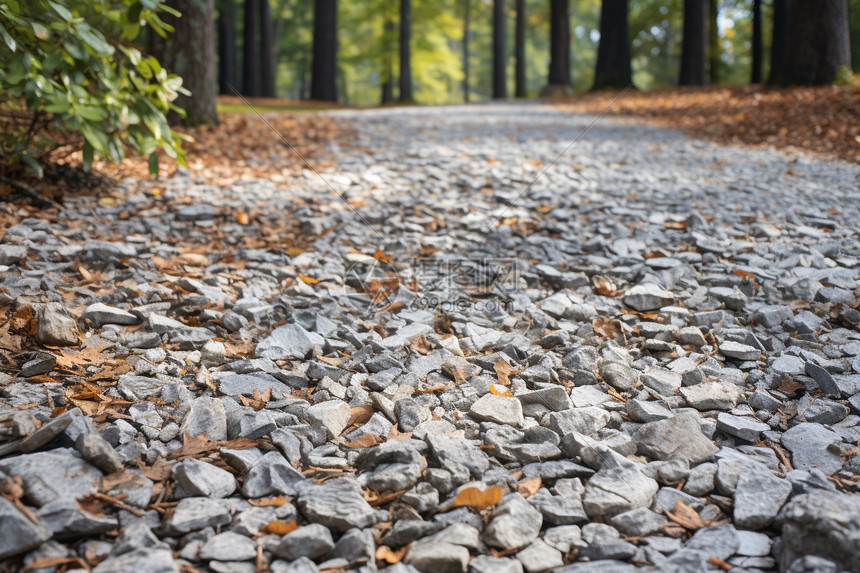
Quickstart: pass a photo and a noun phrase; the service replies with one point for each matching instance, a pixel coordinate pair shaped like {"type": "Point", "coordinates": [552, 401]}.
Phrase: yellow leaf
{"type": "Point", "coordinates": [385, 553]}
{"type": "Point", "coordinates": [308, 280]}
{"type": "Point", "coordinates": [495, 392]}
{"type": "Point", "coordinates": [479, 499]}
{"type": "Point", "coordinates": [281, 527]}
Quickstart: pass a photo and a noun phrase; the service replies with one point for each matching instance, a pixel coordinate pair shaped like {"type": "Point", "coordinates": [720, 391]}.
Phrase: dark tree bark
{"type": "Point", "coordinates": [819, 44]}
{"type": "Point", "coordinates": [251, 50]}
{"type": "Point", "coordinates": [228, 73]}
{"type": "Point", "coordinates": [693, 44]}
{"type": "Point", "coordinates": [714, 50]}
{"type": "Point", "coordinates": [190, 52]}
{"type": "Point", "coordinates": [780, 41]}
{"type": "Point", "coordinates": [756, 43]}
{"type": "Point", "coordinates": [500, 50]}
{"type": "Point", "coordinates": [387, 95]}
{"type": "Point", "coordinates": [467, 16]}
{"type": "Point", "coordinates": [268, 64]}
{"type": "Point", "coordinates": [406, 51]}
{"type": "Point", "coordinates": [559, 43]}
{"type": "Point", "coordinates": [613, 52]}
{"type": "Point", "coordinates": [520, 51]}
{"type": "Point", "coordinates": [324, 72]}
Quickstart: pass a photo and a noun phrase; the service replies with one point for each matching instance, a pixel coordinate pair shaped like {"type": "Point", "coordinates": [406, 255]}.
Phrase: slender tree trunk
{"type": "Point", "coordinates": [387, 95]}
{"type": "Point", "coordinates": [520, 51]}
{"type": "Point", "coordinates": [613, 52]}
{"type": "Point", "coordinates": [559, 43]}
{"type": "Point", "coordinates": [820, 45]}
{"type": "Point", "coordinates": [228, 73]}
{"type": "Point", "coordinates": [190, 53]}
{"type": "Point", "coordinates": [268, 65]}
{"type": "Point", "coordinates": [500, 50]}
{"type": "Point", "coordinates": [406, 51]}
{"type": "Point", "coordinates": [779, 43]}
{"type": "Point", "coordinates": [714, 51]}
{"type": "Point", "coordinates": [756, 43]}
{"type": "Point", "coordinates": [693, 44]}
{"type": "Point", "coordinates": [467, 16]}
{"type": "Point", "coordinates": [324, 73]}
{"type": "Point", "coordinates": [251, 69]}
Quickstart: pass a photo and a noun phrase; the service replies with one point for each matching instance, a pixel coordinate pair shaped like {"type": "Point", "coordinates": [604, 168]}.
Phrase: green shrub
{"type": "Point", "coordinates": [70, 78]}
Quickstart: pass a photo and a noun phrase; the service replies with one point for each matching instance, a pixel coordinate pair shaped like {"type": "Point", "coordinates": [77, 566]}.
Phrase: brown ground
{"type": "Point", "coordinates": [822, 121]}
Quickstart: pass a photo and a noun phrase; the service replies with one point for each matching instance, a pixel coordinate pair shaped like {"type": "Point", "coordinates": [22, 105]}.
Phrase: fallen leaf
{"type": "Point", "coordinates": [45, 562]}
{"type": "Point", "coordinates": [420, 345]}
{"type": "Point", "coordinates": [360, 414]}
{"type": "Point", "coordinates": [675, 224]}
{"type": "Point", "coordinates": [396, 435]}
{"type": "Point", "coordinates": [789, 387]}
{"type": "Point", "coordinates": [504, 392]}
{"type": "Point", "coordinates": [456, 373]}
{"type": "Point", "coordinates": [716, 561]}
{"type": "Point", "coordinates": [308, 280]}
{"type": "Point", "coordinates": [365, 441]}
{"type": "Point", "coordinates": [529, 487]}
{"type": "Point", "coordinates": [685, 516]}
{"type": "Point", "coordinates": [194, 259]}
{"type": "Point", "coordinates": [479, 499]}
{"type": "Point", "coordinates": [503, 370]}
{"type": "Point", "coordinates": [274, 501]}
{"type": "Point", "coordinates": [606, 327]}
{"type": "Point", "coordinates": [281, 527]}
{"type": "Point", "coordinates": [603, 286]}
{"type": "Point", "coordinates": [388, 555]}
{"type": "Point", "coordinates": [242, 218]}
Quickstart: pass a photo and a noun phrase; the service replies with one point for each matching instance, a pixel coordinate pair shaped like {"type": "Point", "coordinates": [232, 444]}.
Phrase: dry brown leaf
{"type": "Point", "coordinates": [606, 327]}
{"type": "Point", "coordinates": [281, 527]}
{"type": "Point", "coordinates": [458, 375]}
{"type": "Point", "coordinates": [503, 371]}
{"type": "Point", "coordinates": [194, 259]}
{"type": "Point", "coordinates": [390, 556]}
{"type": "Point", "coordinates": [479, 499]}
{"type": "Point", "coordinates": [675, 225]}
{"type": "Point", "coordinates": [716, 561]}
{"type": "Point", "coordinates": [365, 441]}
{"type": "Point", "coordinates": [420, 345]}
{"type": "Point", "coordinates": [242, 218]}
{"type": "Point", "coordinates": [308, 280]}
{"type": "Point", "coordinates": [259, 401]}
{"type": "Point", "coordinates": [789, 387]}
{"type": "Point", "coordinates": [159, 471]}
{"type": "Point", "coordinates": [394, 434]}
{"type": "Point", "coordinates": [603, 286]}
{"type": "Point", "coordinates": [360, 414]}
{"type": "Point", "coordinates": [46, 562]}
{"type": "Point", "coordinates": [529, 487]}
{"type": "Point", "coordinates": [685, 516]}
{"type": "Point", "coordinates": [274, 501]}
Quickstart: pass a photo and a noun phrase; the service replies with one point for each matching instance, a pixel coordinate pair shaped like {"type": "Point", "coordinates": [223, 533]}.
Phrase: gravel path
{"type": "Point", "coordinates": [483, 356]}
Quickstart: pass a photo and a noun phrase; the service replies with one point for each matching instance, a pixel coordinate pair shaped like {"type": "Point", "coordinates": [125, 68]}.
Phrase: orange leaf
{"type": "Point", "coordinates": [365, 441]}
{"type": "Point", "coordinates": [275, 501]}
{"type": "Point", "coordinates": [503, 370]}
{"type": "Point", "coordinates": [685, 516]}
{"type": "Point", "coordinates": [675, 224]}
{"type": "Point", "coordinates": [380, 256]}
{"type": "Point", "coordinates": [529, 487]}
{"type": "Point", "coordinates": [281, 527]}
{"type": "Point", "coordinates": [309, 280]}
{"type": "Point", "coordinates": [495, 392]}
{"type": "Point", "coordinates": [479, 499]}
{"type": "Point", "coordinates": [242, 218]}
{"type": "Point", "coordinates": [603, 286]}
{"type": "Point", "coordinates": [385, 553]}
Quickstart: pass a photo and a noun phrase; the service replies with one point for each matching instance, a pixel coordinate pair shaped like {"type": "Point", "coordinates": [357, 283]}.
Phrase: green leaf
{"type": "Point", "coordinates": [133, 14]}
{"type": "Point", "coordinates": [153, 164]}
{"type": "Point", "coordinates": [33, 164]}
{"type": "Point", "coordinates": [40, 31]}
{"type": "Point", "coordinates": [64, 12]}
{"type": "Point", "coordinates": [88, 156]}
{"type": "Point", "coordinates": [10, 41]}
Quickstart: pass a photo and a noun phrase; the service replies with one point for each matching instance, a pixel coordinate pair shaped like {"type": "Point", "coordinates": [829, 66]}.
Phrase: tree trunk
{"type": "Point", "coordinates": [268, 65]}
{"type": "Point", "coordinates": [756, 43]}
{"type": "Point", "coordinates": [613, 52]}
{"type": "Point", "coordinates": [251, 50]}
{"type": "Point", "coordinates": [467, 16]}
{"type": "Point", "coordinates": [324, 72]}
{"type": "Point", "coordinates": [820, 45]}
{"type": "Point", "coordinates": [228, 73]}
{"type": "Point", "coordinates": [406, 51]}
{"type": "Point", "coordinates": [520, 51]}
{"type": "Point", "coordinates": [387, 95]}
{"type": "Point", "coordinates": [500, 51]}
{"type": "Point", "coordinates": [780, 41]}
{"type": "Point", "coordinates": [714, 50]}
{"type": "Point", "coordinates": [559, 43]}
{"type": "Point", "coordinates": [693, 44]}
{"type": "Point", "coordinates": [190, 52]}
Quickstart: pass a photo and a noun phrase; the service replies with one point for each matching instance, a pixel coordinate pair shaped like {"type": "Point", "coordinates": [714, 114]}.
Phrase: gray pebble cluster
{"type": "Point", "coordinates": [664, 331]}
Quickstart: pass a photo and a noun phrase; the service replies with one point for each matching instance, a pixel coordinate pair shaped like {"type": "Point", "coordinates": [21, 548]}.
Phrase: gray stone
{"type": "Point", "coordinates": [514, 523]}
{"type": "Point", "coordinates": [488, 564]}
{"type": "Point", "coordinates": [396, 465]}
{"type": "Point", "coordinates": [271, 474]}
{"type": "Point", "coordinates": [149, 560]}
{"type": "Point", "coordinates": [619, 486]}
{"type": "Point", "coordinates": [745, 428]}
{"type": "Point", "coordinates": [554, 398]}
{"type": "Point", "coordinates": [245, 384]}
{"type": "Point", "coordinates": [205, 416]}
{"type": "Point", "coordinates": [809, 446]}
{"type": "Point", "coordinates": [642, 411]}
{"type": "Point", "coordinates": [711, 396]}
{"type": "Point", "coordinates": [456, 454]}
{"type": "Point", "coordinates": [498, 409]}
{"type": "Point", "coordinates": [19, 533]}
{"type": "Point", "coordinates": [66, 519]}
{"type": "Point", "coordinates": [648, 296]}
{"type": "Point", "coordinates": [137, 388]}
{"type": "Point", "coordinates": [539, 556]}
{"type": "Point", "coordinates": [663, 381]}
{"type": "Point", "coordinates": [437, 558]}
{"type": "Point", "coordinates": [228, 546]}
{"type": "Point", "coordinates": [288, 341]}
{"type": "Point", "coordinates": [58, 473]}
{"type": "Point", "coordinates": [586, 420]}
{"type": "Point", "coordinates": [135, 536]}
{"type": "Point", "coordinates": [12, 254]}
{"type": "Point", "coordinates": [619, 375]}
{"type": "Point", "coordinates": [48, 431]}
{"type": "Point", "coordinates": [638, 522]}
{"type": "Point", "coordinates": [678, 437]}
{"type": "Point", "coordinates": [56, 327]}
{"type": "Point", "coordinates": [738, 351]}
{"type": "Point", "coordinates": [338, 504]}
{"type": "Point", "coordinates": [194, 513]}
{"type": "Point", "coordinates": [196, 478]}
{"type": "Point", "coordinates": [96, 450]}
{"type": "Point", "coordinates": [823, 523]}
{"type": "Point", "coordinates": [333, 415]}
{"type": "Point", "coordinates": [356, 545]}
{"type": "Point", "coordinates": [824, 379]}
{"type": "Point", "coordinates": [312, 541]}
{"type": "Point", "coordinates": [101, 314]}
{"type": "Point", "coordinates": [700, 482]}
{"type": "Point", "coordinates": [758, 498]}
{"type": "Point", "coordinates": [720, 541]}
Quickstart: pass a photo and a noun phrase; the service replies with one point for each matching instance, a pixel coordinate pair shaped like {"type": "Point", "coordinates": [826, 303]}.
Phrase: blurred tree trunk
{"type": "Point", "coordinates": [467, 16]}
{"type": "Point", "coordinates": [228, 73]}
{"type": "Point", "coordinates": [251, 50]}
{"type": "Point", "coordinates": [780, 41]}
{"type": "Point", "coordinates": [559, 45]}
{"type": "Point", "coordinates": [268, 64]}
{"type": "Point", "coordinates": [613, 52]}
{"type": "Point", "coordinates": [406, 51]}
{"type": "Point", "coordinates": [520, 51]}
{"type": "Point", "coordinates": [714, 51]}
{"type": "Point", "coordinates": [756, 43]}
{"type": "Point", "coordinates": [693, 44]}
{"type": "Point", "coordinates": [820, 45]}
{"type": "Point", "coordinates": [387, 95]}
{"type": "Point", "coordinates": [190, 53]}
{"type": "Point", "coordinates": [500, 51]}
{"type": "Point", "coordinates": [324, 72]}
